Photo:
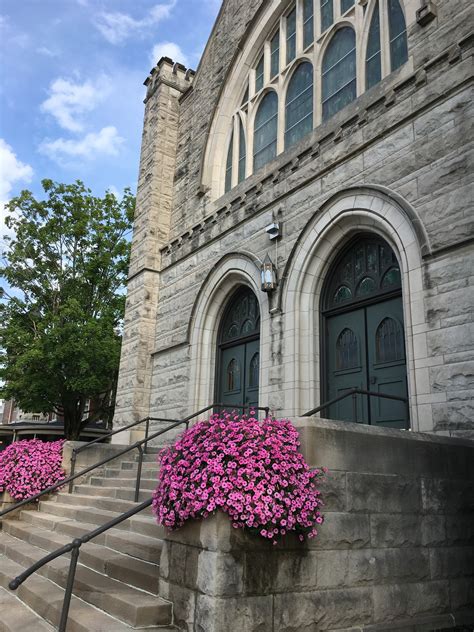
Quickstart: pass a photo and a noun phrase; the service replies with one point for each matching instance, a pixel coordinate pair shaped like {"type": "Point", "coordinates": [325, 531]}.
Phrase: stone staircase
{"type": "Point", "coordinates": [116, 586]}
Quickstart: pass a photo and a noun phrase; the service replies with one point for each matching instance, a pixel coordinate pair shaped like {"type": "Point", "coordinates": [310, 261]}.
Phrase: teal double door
{"type": "Point", "coordinates": [239, 375]}
{"type": "Point", "coordinates": [365, 349]}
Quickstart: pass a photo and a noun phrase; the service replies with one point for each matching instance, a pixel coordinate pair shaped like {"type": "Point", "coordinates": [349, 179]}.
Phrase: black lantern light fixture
{"type": "Point", "coordinates": [268, 275]}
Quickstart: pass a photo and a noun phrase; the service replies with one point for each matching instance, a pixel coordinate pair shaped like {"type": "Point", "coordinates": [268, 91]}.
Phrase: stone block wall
{"type": "Point", "coordinates": [396, 551]}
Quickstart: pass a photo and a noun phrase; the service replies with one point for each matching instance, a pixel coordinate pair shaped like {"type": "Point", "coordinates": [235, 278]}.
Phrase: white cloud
{"type": "Point", "coordinates": [168, 49]}
{"type": "Point", "coordinates": [47, 52]}
{"type": "Point", "coordinates": [69, 101]}
{"type": "Point", "coordinates": [106, 142]}
{"type": "Point", "coordinates": [117, 27]}
{"type": "Point", "coordinates": [12, 171]}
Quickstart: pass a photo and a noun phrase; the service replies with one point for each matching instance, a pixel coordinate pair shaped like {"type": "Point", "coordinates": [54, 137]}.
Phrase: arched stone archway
{"type": "Point", "coordinates": [327, 234]}
{"type": "Point", "coordinates": [234, 271]}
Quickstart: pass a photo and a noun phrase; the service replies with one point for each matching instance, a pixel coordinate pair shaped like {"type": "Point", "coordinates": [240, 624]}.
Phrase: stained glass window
{"type": "Point", "coordinates": [308, 23]}
{"type": "Point", "coordinates": [346, 5]}
{"type": "Point", "coordinates": [266, 128]}
{"type": "Point", "coordinates": [228, 167]}
{"type": "Point", "coordinates": [253, 372]}
{"type": "Point", "coordinates": [242, 316]}
{"type": "Point", "coordinates": [373, 65]}
{"type": "Point", "coordinates": [242, 153]}
{"type": "Point", "coordinates": [339, 72]}
{"type": "Point", "coordinates": [398, 35]}
{"type": "Point", "coordinates": [259, 74]}
{"type": "Point", "coordinates": [291, 36]}
{"type": "Point", "coordinates": [275, 55]}
{"type": "Point", "coordinates": [299, 105]}
{"type": "Point", "coordinates": [327, 14]}
{"type": "Point", "coordinates": [233, 375]}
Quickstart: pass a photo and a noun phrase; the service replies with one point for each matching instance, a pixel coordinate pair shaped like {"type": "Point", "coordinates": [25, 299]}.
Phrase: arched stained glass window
{"type": "Point", "coordinates": [398, 35]}
{"type": "Point", "coordinates": [339, 72]}
{"type": "Point", "coordinates": [242, 153]}
{"type": "Point", "coordinates": [228, 167]}
{"type": "Point", "coordinates": [389, 341]}
{"type": "Point", "coordinates": [259, 71]}
{"type": "Point", "coordinates": [265, 131]}
{"type": "Point", "coordinates": [242, 317]}
{"type": "Point", "coordinates": [347, 350]}
{"type": "Point", "coordinates": [373, 65]}
{"type": "Point", "coordinates": [327, 14]}
{"type": "Point", "coordinates": [299, 105]}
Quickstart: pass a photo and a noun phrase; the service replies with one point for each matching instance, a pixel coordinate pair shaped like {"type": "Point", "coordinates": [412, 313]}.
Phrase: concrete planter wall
{"type": "Point", "coordinates": [396, 550]}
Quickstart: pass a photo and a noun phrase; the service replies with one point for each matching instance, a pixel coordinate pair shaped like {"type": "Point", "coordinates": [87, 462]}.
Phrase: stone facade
{"type": "Point", "coordinates": [396, 162]}
{"type": "Point", "coordinates": [396, 551]}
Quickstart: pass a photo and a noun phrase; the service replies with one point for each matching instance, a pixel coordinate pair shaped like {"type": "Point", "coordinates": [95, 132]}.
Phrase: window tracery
{"type": "Point", "coordinates": [349, 47]}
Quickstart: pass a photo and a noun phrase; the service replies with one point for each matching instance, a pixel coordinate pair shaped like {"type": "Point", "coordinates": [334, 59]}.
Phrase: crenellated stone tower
{"type": "Point", "coordinates": [167, 82]}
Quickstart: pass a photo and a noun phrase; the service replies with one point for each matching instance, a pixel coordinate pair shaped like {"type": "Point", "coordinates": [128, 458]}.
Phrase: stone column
{"type": "Point", "coordinates": [165, 85]}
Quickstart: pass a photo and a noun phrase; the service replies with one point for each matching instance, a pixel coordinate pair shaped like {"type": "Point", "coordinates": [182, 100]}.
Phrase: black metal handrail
{"type": "Point", "coordinates": [353, 392]}
{"type": "Point", "coordinates": [74, 548]}
{"type": "Point", "coordinates": [137, 445]}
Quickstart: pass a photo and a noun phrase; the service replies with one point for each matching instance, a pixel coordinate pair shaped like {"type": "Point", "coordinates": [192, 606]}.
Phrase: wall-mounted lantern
{"type": "Point", "coordinates": [268, 275]}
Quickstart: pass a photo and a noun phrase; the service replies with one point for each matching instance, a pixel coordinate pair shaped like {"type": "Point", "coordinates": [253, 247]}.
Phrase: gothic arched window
{"type": "Point", "coordinates": [299, 105]}
{"type": "Point", "coordinates": [373, 62]}
{"type": "Point", "coordinates": [398, 35]}
{"type": "Point", "coordinates": [339, 72]}
{"type": "Point", "coordinates": [265, 131]}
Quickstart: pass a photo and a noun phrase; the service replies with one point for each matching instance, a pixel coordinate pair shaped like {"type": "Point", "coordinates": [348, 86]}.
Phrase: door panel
{"type": "Point", "coordinates": [387, 363]}
{"type": "Point", "coordinates": [232, 376]}
{"type": "Point", "coordinates": [239, 375]}
{"type": "Point", "coordinates": [252, 367]}
{"type": "Point", "coordinates": [346, 364]}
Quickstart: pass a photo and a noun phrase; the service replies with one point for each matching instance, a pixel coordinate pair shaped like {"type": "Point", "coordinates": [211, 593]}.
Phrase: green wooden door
{"type": "Point", "coordinates": [347, 364]}
{"type": "Point", "coordinates": [364, 344]}
{"type": "Point", "coordinates": [239, 358]}
{"type": "Point", "coordinates": [387, 363]}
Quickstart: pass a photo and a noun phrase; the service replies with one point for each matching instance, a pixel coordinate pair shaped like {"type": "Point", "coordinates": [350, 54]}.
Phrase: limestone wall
{"type": "Point", "coordinates": [396, 550]}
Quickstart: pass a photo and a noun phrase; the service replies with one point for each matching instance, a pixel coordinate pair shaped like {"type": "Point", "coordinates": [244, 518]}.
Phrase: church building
{"type": "Point", "coordinates": [304, 219]}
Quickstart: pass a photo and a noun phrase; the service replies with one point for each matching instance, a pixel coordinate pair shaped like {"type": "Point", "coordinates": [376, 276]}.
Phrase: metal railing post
{"type": "Point", "coordinates": [354, 405]}
{"type": "Point", "coordinates": [147, 429]}
{"type": "Point", "coordinates": [69, 586]}
{"type": "Point", "coordinates": [139, 473]}
{"type": "Point", "coordinates": [73, 469]}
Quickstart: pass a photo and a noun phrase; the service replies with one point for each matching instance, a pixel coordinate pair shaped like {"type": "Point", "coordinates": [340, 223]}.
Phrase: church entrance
{"type": "Point", "coordinates": [364, 344]}
{"type": "Point", "coordinates": [238, 354]}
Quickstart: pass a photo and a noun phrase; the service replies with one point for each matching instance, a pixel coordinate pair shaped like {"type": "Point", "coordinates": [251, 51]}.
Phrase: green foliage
{"type": "Point", "coordinates": [60, 330]}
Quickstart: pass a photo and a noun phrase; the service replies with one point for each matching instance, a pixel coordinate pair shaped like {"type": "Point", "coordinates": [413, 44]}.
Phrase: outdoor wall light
{"type": "Point", "coordinates": [268, 275]}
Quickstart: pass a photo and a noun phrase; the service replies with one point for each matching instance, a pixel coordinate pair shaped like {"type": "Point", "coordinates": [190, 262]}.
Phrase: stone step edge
{"type": "Point", "coordinates": [117, 596]}
{"type": "Point", "coordinates": [42, 531]}
{"type": "Point", "coordinates": [74, 598]}
{"type": "Point", "coordinates": [19, 611]}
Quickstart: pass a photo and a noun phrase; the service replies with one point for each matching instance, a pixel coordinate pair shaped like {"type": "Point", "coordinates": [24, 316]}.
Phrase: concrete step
{"type": "Point", "coordinates": [126, 482]}
{"type": "Point", "coordinates": [143, 540]}
{"type": "Point", "coordinates": [128, 604]}
{"type": "Point", "coordinates": [15, 615]}
{"type": "Point", "coordinates": [137, 573]}
{"type": "Point", "coordinates": [132, 465]}
{"type": "Point", "coordinates": [45, 598]}
{"type": "Point", "coordinates": [86, 509]}
{"type": "Point", "coordinates": [130, 473]}
{"type": "Point", "coordinates": [113, 493]}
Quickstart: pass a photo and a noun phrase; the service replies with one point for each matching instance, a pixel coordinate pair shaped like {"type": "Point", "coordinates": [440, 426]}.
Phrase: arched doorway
{"type": "Point", "coordinates": [238, 360]}
{"type": "Point", "coordinates": [364, 342]}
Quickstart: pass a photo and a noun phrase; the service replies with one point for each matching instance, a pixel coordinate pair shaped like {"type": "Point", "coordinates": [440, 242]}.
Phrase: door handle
{"type": "Point", "coordinates": [373, 380]}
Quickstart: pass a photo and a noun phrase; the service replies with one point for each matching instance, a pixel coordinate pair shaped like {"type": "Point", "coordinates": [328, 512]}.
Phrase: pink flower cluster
{"type": "Point", "coordinates": [250, 470]}
{"type": "Point", "coordinates": [29, 467]}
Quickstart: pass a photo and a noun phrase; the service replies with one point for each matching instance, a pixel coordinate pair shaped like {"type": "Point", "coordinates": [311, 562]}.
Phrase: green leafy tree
{"type": "Point", "coordinates": [66, 262]}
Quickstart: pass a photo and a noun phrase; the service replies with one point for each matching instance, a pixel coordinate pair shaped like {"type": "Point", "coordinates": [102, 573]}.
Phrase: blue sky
{"type": "Point", "coordinates": [71, 85]}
